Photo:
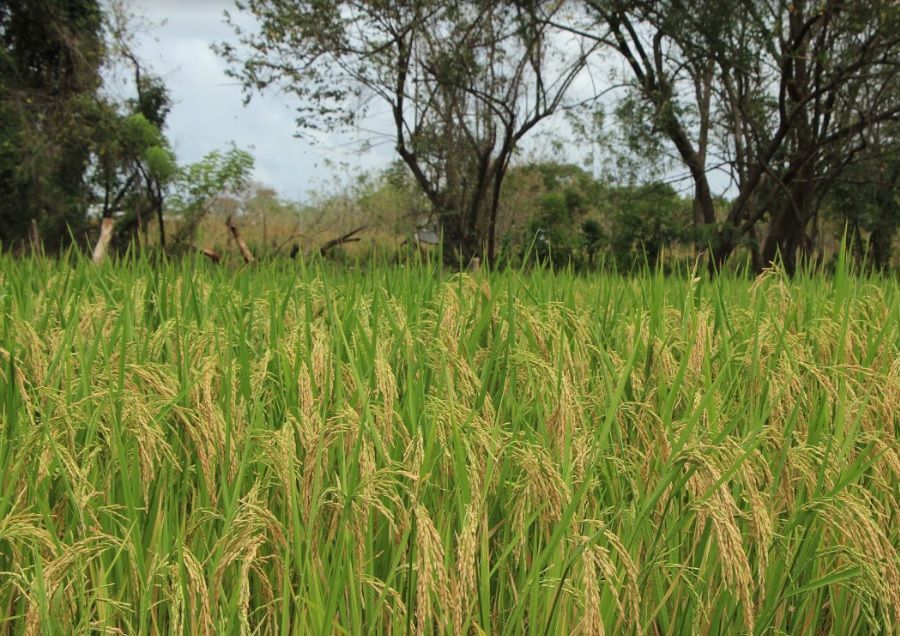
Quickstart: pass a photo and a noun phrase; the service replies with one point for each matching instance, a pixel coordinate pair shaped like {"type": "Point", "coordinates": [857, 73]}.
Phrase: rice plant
{"type": "Point", "coordinates": [283, 449]}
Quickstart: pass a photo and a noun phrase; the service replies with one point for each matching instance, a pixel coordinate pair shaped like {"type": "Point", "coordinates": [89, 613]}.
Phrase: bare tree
{"type": "Point", "coordinates": [464, 82]}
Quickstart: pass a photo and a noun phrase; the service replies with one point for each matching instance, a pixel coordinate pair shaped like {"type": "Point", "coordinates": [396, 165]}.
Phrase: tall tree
{"type": "Point", "coordinates": [132, 166]}
{"type": "Point", "coordinates": [133, 159]}
{"type": "Point", "coordinates": [197, 186]}
{"type": "Point", "coordinates": [784, 93]}
{"type": "Point", "coordinates": [50, 57]}
{"type": "Point", "coordinates": [464, 82]}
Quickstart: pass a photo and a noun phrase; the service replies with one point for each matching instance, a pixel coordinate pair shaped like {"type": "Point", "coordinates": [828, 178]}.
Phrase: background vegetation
{"type": "Point", "coordinates": [795, 106]}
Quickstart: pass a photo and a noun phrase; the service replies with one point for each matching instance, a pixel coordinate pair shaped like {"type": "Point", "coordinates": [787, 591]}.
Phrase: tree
{"type": "Point", "coordinates": [131, 154]}
{"type": "Point", "coordinates": [50, 57]}
{"type": "Point", "coordinates": [866, 199]}
{"type": "Point", "coordinates": [137, 144]}
{"type": "Point", "coordinates": [198, 185]}
{"type": "Point", "coordinates": [567, 195]}
{"type": "Point", "coordinates": [784, 94]}
{"type": "Point", "coordinates": [464, 83]}
{"type": "Point", "coordinates": [839, 72]}
{"type": "Point", "coordinates": [669, 95]}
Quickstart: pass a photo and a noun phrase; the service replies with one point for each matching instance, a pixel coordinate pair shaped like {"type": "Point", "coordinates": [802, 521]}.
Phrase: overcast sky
{"type": "Point", "coordinates": [209, 110]}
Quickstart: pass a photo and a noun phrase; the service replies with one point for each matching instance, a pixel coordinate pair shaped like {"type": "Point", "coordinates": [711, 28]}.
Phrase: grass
{"type": "Point", "coordinates": [284, 449]}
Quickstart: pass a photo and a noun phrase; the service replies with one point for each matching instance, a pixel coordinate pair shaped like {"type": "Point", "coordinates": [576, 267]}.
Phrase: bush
{"type": "Point", "coordinates": [644, 219]}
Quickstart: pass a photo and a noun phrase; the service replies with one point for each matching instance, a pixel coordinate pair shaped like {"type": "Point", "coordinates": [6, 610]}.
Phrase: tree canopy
{"type": "Point", "coordinates": [782, 118]}
{"type": "Point", "coordinates": [51, 52]}
{"type": "Point", "coordinates": [782, 97]}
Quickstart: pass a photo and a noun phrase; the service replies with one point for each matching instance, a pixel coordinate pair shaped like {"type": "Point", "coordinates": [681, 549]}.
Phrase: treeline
{"type": "Point", "coordinates": [782, 117]}
{"type": "Point", "coordinates": [550, 213]}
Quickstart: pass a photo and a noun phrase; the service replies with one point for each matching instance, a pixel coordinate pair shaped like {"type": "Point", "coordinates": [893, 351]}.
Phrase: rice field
{"type": "Point", "coordinates": [289, 449]}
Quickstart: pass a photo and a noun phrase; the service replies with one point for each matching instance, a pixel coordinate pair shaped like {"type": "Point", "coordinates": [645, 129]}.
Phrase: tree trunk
{"type": "Point", "coordinates": [35, 238]}
{"type": "Point", "coordinates": [704, 206]}
{"type": "Point", "coordinates": [787, 235]}
{"type": "Point", "coordinates": [785, 239]}
{"type": "Point", "coordinates": [880, 242]}
{"type": "Point", "coordinates": [106, 234]}
{"type": "Point", "coordinates": [756, 259]}
{"type": "Point", "coordinates": [459, 240]}
{"type": "Point", "coordinates": [141, 229]}
{"type": "Point", "coordinates": [493, 209]}
{"type": "Point", "coordinates": [162, 225]}
{"type": "Point", "coordinates": [492, 232]}
{"type": "Point", "coordinates": [882, 238]}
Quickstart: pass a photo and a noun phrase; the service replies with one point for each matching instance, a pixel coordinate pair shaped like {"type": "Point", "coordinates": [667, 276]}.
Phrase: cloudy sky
{"type": "Point", "coordinates": [209, 110]}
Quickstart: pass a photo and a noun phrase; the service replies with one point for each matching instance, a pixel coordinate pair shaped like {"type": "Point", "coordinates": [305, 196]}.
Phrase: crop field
{"type": "Point", "coordinates": [290, 449]}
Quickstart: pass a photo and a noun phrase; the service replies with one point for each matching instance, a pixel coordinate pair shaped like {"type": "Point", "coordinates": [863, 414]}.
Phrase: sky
{"type": "Point", "coordinates": [209, 111]}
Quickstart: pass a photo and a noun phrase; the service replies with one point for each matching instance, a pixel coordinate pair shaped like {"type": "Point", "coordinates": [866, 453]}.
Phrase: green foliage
{"type": "Point", "coordinates": [153, 101]}
{"type": "Point", "coordinates": [217, 173]}
{"type": "Point", "coordinates": [197, 185]}
{"type": "Point", "coordinates": [638, 149]}
{"type": "Point", "coordinates": [126, 144]}
{"type": "Point", "coordinates": [139, 133]}
{"type": "Point", "coordinates": [577, 216]}
{"type": "Point", "coordinates": [567, 193]}
{"type": "Point", "coordinates": [64, 145]}
{"type": "Point", "coordinates": [551, 228]}
{"type": "Point", "coordinates": [643, 220]}
{"type": "Point", "coordinates": [593, 237]}
{"type": "Point", "coordinates": [160, 161]}
{"type": "Point", "coordinates": [866, 203]}
{"type": "Point", "coordinates": [50, 57]}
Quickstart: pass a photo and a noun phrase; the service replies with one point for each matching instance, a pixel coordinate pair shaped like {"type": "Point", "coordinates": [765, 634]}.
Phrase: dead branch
{"type": "Point", "coordinates": [349, 237]}
{"type": "Point", "coordinates": [293, 235]}
{"type": "Point", "coordinates": [236, 234]}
